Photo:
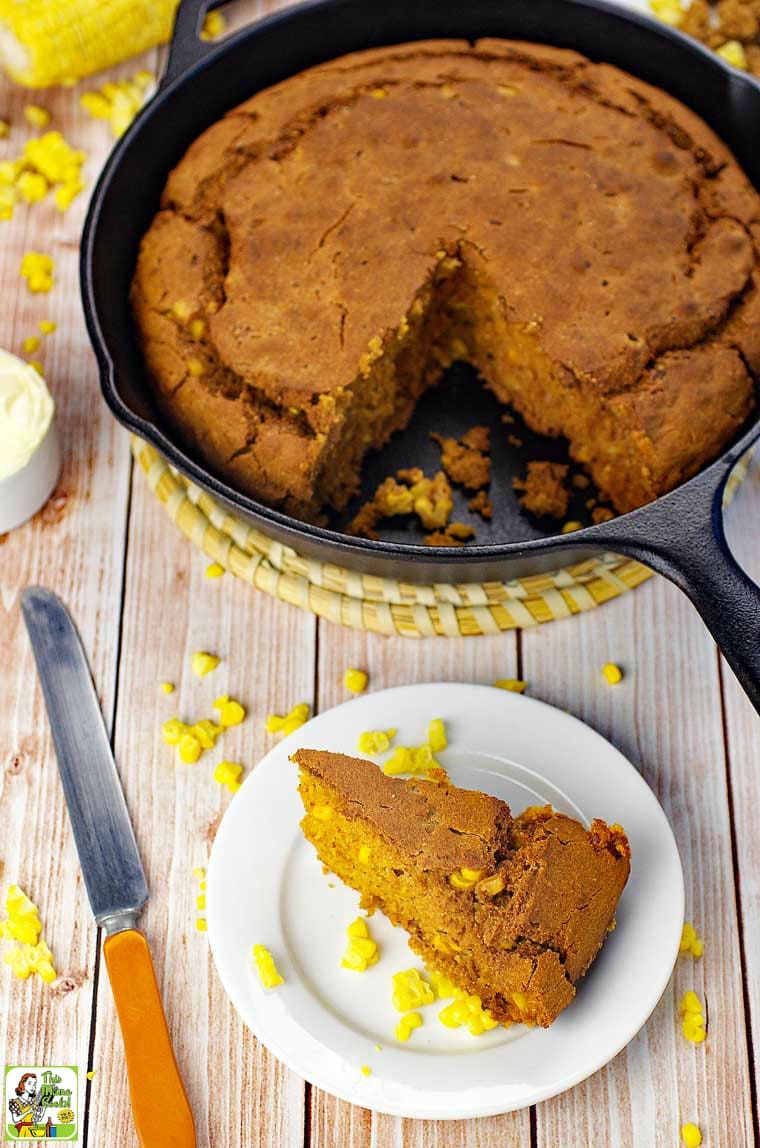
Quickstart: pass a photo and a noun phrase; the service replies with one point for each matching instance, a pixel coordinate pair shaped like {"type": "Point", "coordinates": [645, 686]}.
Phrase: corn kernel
{"type": "Point", "coordinates": [691, 1135]}
{"type": "Point", "coordinates": [206, 732]}
{"type": "Point", "coordinates": [31, 343]}
{"type": "Point", "coordinates": [362, 951]}
{"type": "Point", "coordinates": [733, 53]}
{"type": "Point", "coordinates": [444, 987]}
{"type": "Point", "coordinates": [30, 953]}
{"type": "Point", "coordinates": [214, 26]}
{"type": "Point", "coordinates": [214, 570]}
{"type": "Point", "coordinates": [197, 327]}
{"type": "Point", "coordinates": [36, 116]}
{"type": "Point", "coordinates": [203, 663]}
{"type": "Point", "coordinates": [167, 687]}
{"type": "Point", "coordinates": [437, 735]}
{"type": "Point", "coordinates": [406, 1026]}
{"type": "Point", "coordinates": [275, 723]}
{"type": "Point", "coordinates": [364, 854]}
{"type": "Point", "coordinates": [688, 937]}
{"type": "Point", "coordinates": [355, 681]}
{"type": "Point", "coordinates": [697, 948]}
{"type": "Point", "coordinates": [514, 685]}
{"type": "Point", "coordinates": [571, 526]}
{"type": "Point", "coordinates": [669, 11]}
{"type": "Point", "coordinates": [410, 759]}
{"type": "Point", "coordinates": [194, 367]}
{"type": "Point", "coordinates": [37, 269]}
{"type": "Point", "coordinates": [189, 748]}
{"type": "Point", "coordinates": [91, 1073]}
{"type": "Point", "coordinates": [410, 991]}
{"type": "Point", "coordinates": [228, 773]}
{"type": "Point", "coordinates": [690, 1002]}
{"type": "Point", "coordinates": [468, 1011]}
{"type": "Point", "coordinates": [200, 901]}
{"type": "Point", "coordinates": [172, 730]}
{"type": "Point", "coordinates": [612, 673]}
{"type": "Point", "coordinates": [46, 326]}
{"type": "Point", "coordinates": [5, 128]}
{"type": "Point", "coordinates": [199, 872]}
{"type": "Point", "coordinates": [322, 812]}
{"type": "Point", "coordinates": [66, 193]}
{"type": "Point", "coordinates": [375, 741]}
{"type": "Point", "coordinates": [378, 93]}
{"type": "Point", "coordinates": [32, 186]}
{"type": "Point", "coordinates": [36, 366]}
{"type": "Point", "coordinates": [230, 711]}
{"type": "Point", "coordinates": [358, 928]}
{"type": "Point", "coordinates": [200, 924]}
{"type": "Point", "coordinates": [466, 878]}
{"type": "Point", "coordinates": [266, 968]}
{"type": "Point", "coordinates": [365, 1070]}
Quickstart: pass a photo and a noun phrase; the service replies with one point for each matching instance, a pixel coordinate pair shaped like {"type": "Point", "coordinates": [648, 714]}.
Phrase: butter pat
{"type": "Point", "coordinates": [30, 454]}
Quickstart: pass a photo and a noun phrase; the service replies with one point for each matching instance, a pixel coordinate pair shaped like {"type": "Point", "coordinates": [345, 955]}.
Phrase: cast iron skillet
{"type": "Point", "coordinates": [680, 535]}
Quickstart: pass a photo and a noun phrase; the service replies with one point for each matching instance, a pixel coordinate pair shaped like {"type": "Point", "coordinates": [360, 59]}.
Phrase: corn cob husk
{"type": "Point", "coordinates": [45, 42]}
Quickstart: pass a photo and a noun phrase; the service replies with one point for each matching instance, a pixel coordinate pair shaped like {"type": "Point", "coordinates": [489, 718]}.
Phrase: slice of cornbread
{"type": "Point", "coordinates": [514, 910]}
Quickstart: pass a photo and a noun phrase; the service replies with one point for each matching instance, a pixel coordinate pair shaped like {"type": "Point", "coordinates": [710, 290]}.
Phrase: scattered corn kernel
{"type": "Point", "coordinates": [51, 157]}
{"type": "Point", "coordinates": [199, 872]}
{"type": "Point", "coordinates": [690, 1002]}
{"type": "Point", "coordinates": [5, 128]}
{"type": "Point", "coordinates": [200, 901]}
{"type": "Point", "coordinates": [411, 759]}
{"type": "Point", "coordinates": [266, 968]}
{"type": "Point", "coordinates": [189, 748]}
{"type": "Point", "coordinates": [35, 366]}
{"type": "Point", "coordinates": [364, 854]}
{"type": "Point", "coordinates": [733, 53]}
{"type": "Point", "coordinates": [200, 924]}
{"type": "Point", "coordinates": [444, 987]}
{"type": "Point", "coordinates": [365, 1070]}
{"type": "Point", "coordinates": [669, 11]}
{"type": "Point", "coordinates": [355, 681]}
{"type": "Point", "coordinates": [32, 186]}
{"type": "Point", "coordinates": [468, 1011]}
{"type": "Point", "coordinates": [230, 711]}
{"type": "Point", "coordinates": [466, 878]}
{"type": "Point", "coordinates": [214, 570]}
{"type": "Point", "coordinates": [437, 739]}
{"type": "Point", "coordinates": [203, 663]}
{"type": "Point", "coordinates": [571, 527]}
{"type": "Point", "coordinates": [31, 343]}
{"type": "Point", "coordinates": [514, 685]}
{"type": "Point", "coordinates": [167, 687]}
{"type": "Point", "coordinates": [172, 730]}
{"type": "Point", "coordinates": [406, 1026]}
{"type": "Point", "coordinates": [375, 741]}
{"type": "Point", "coordinates": [692, 1017]}
{"type": "Point", "coordinates": [46, 326]}
{"type": "Point", "coordinates": [362, 951]}
{"type": "Point", "coordinates": [29, 952]}
{"type": "Point", "coordinates": [410, 991]}
{"type": "Point", "coordinates": [36, 116]}
{"type": "Point", "coordinates": [322, 812]}
{"type": "Point", "coordinates": [275, 723]}
{"type": "Point", "coordinates": [37, 269]}
{"type": "Point", "coordinates": [91, 1073]}
{"type": "Point", "coordinates": [612, 673]}
{"type": "Point", "coordinates": [691, 1135]}
{"type": "Point", "coordinates": [228, 773]}
{"type": "Point", "coordinates": [214, 26]}
{"type": "Point", "coordinates": [691, 942]}
{"type": "Point", "coordinates": [206, 732]}
{"type": "Point", "coordinates": [119, 101]}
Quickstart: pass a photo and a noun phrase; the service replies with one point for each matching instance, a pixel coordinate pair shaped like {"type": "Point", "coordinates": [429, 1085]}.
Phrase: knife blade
{"type": "Point", "coordinates": [113, 872]}
{"type": "Point", "coordinates": [111, 865]}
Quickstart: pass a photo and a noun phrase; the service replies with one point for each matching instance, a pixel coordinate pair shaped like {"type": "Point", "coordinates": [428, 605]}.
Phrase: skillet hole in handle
{"type": "Point", "coordinates": [186, 47]}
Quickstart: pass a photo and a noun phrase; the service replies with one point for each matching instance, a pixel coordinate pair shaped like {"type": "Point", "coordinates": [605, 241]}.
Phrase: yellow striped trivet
{"type": "Point", "coordinates": [369, 602]}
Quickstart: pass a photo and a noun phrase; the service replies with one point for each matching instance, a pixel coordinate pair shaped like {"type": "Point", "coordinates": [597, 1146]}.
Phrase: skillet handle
{"type": "Point", "coordinates": [186, 47]}
{"type": "Point", "coordinates": [682, 536]}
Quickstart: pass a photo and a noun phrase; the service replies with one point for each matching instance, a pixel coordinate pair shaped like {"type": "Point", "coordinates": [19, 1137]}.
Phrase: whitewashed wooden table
{"type": "Point", "coordinates": [143, 604]}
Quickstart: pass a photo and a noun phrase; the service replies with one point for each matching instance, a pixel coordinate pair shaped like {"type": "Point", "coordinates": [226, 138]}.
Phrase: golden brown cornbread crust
{"type": "Point", "coordinates": [584, 239]}
{"type": "Point", "coordinates": [520, 949]}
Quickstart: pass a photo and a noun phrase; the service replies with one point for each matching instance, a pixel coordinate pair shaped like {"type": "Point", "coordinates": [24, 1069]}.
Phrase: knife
{"type": "Point", "coordinates": [113, 873]}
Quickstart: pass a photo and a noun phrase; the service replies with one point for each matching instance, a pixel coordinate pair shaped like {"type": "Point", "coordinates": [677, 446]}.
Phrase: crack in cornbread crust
{"type": "Point", "coordinates": [641, 213]}
{"type": "Point", "coordinates": [521, 950]}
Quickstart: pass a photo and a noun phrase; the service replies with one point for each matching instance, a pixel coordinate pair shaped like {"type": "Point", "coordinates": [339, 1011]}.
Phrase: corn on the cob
{"type": "Point", "coordinates": [44, 42]}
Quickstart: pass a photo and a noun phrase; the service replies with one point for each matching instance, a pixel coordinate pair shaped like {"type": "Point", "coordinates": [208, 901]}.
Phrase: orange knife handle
{"type": "Point", "coordinates": [159, 1104]}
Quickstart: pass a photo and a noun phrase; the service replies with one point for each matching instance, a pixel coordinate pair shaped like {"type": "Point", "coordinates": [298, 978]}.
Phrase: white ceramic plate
{"type": "Point", "coordinates": [266, 886]}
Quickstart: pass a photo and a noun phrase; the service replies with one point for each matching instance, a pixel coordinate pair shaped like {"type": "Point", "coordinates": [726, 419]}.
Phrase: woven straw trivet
{"type": "Point", "coordinates": [381, 605]}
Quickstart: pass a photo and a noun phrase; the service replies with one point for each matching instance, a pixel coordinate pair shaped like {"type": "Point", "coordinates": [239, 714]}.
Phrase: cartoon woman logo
{"type": "Point", "coordinates": [26, 1110]}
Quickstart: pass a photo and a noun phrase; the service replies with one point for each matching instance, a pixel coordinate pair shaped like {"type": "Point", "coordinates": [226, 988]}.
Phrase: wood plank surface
{"type": "Point", "coordinates": [76, 547]}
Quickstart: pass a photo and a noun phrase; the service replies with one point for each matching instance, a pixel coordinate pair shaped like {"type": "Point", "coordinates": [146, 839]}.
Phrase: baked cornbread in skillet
{"type": "Point", "coordinates": [514, 910]}
{"type": "Point", "coordinates": [325, 249]}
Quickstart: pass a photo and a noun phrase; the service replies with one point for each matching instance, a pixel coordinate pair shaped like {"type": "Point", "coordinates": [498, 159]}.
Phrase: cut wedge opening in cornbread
{"type": "Point", "coordinates": [513, 910]}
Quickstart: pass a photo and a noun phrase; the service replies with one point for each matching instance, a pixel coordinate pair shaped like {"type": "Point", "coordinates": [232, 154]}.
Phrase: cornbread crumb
{"type": "Point", "coordinates": [466, 461]}
{"type": "Point", "coordinates": [455, 534]}
{"type": "Point", "coordinates": [410, 492]}
{"type": "Point", "coordinates": [481, 504]}
{"type": "Point", "coordinates": [214, 570]}
{"type": "Point", "coordinates": [691, 1135]}
{"type": "Point", "coordinates": [544, 492]}
{"type": "Point", "coordinates": [355, 681]}
{"type": "Point", "coordinates": [266, 968]}
{"type": "Point", "coordinates": [612, 673]}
